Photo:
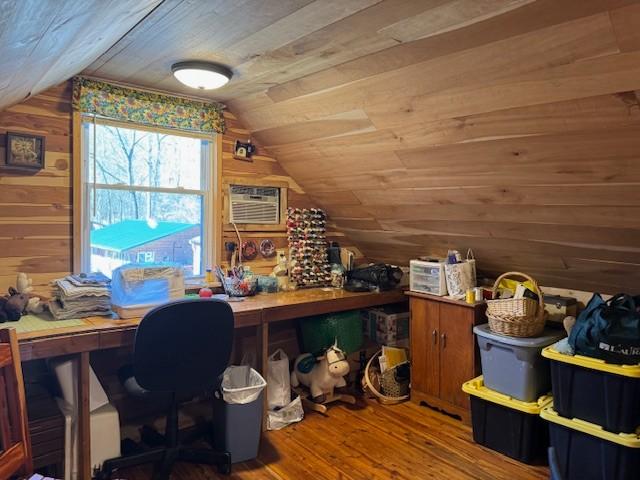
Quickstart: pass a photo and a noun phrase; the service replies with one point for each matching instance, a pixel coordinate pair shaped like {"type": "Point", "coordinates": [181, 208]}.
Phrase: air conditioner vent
{"type": "Point", "coordinates": [249, 204]}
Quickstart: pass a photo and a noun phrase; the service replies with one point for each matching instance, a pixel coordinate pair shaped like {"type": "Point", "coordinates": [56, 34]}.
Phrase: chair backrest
{"type": "Point", "coordinates": [184, 346]}
{"type": "Point", "coordinates": [15, 443]}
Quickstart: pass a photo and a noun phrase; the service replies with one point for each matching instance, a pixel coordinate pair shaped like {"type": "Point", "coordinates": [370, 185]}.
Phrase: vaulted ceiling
{"type": "Point", "coordinates": [508, 126]}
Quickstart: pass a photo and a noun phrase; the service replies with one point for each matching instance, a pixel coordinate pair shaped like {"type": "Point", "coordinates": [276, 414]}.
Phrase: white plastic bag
{"type": "Point", "coordinates": [461, 277]}
{"type": "Point", "coordinates": [241, 384]}
{"type": "Point", "coordinates": [278, 380]}
{"type": "Point", "coordinates": [292, 413]}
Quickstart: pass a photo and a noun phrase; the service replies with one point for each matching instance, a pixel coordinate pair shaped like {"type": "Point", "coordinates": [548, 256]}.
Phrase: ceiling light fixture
{"type": "Point", "coordinates": [201, 75]}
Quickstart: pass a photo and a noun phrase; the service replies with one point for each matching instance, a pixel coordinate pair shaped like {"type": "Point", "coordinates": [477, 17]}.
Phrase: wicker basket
{"type": "Point", "coordinates": [516, 317]}
{"type": "Point", "coordinates": [373, 380]}
{"type": "Point", "coordinates": [391, 386]}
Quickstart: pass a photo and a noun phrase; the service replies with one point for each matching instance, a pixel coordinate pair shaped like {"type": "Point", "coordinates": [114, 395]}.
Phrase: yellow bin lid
{"type": "Point", "coordinates": [476, 388]}
{"type": "Point", "coordinates": [630, 440]}
{"type": "Point", "coordinates": [632, 371]}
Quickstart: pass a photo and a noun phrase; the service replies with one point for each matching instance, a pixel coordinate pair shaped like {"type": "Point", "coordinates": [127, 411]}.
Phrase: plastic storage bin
{"type": "Point", "coordinates": [506, 425]}
{"type": "Point", "coordinates": [427, 277]}
{"type": "Point", "coordinates": [513, 365]}
{"type": "Point", "coordinates": [237, 413]}
{"type": "Point", "coordinates": [595, 391]}
{"type": "Point", "coordinates": [586, 451]}
{"type": "Point", "coordinates": [137, 288]}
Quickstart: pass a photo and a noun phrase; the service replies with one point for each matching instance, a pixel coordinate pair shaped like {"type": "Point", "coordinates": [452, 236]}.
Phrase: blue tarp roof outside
{"type": "Point", "coordinates": [133, 233]}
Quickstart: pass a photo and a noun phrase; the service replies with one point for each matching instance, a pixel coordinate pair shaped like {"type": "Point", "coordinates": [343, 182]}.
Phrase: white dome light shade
{"type": "Point", "coordinates": [201, 75]}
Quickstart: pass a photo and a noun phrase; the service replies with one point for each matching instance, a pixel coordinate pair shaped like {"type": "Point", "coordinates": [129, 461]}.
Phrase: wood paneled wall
{"type": "Point", "coordinates": [35, 210]}
{"type": "Point", "coordinates": [514, 131]}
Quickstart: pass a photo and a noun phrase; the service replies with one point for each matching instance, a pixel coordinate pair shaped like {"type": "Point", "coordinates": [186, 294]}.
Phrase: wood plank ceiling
{"type": "Point", "coordinates": [43, 42]}
{"type": "Point", "coordinates": [508, 126]}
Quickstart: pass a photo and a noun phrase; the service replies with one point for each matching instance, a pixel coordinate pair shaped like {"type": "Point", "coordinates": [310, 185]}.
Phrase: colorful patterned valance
{"type": "Point", "coordinates": [155, 109]}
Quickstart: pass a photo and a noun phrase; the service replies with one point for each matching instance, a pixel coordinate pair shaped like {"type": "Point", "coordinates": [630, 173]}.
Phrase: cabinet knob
{"type": "Point", "coordinates": [443, 337]}
{"type": "Point", "coordinates": [434, 334]}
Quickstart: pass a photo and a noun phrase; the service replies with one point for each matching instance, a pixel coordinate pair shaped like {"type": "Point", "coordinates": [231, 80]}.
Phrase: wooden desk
{"type": "Point", "coordinates": [99, 333]}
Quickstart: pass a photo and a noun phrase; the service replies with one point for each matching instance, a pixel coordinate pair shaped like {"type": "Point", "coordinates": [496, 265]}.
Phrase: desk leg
{"type": "Point", "coordinates": [84, 419]}
{"type": "Point", "coordinates": [263, 352]}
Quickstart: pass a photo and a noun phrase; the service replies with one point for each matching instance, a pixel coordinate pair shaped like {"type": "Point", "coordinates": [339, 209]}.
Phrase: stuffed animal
{"type": "Point", "coordinates": [23, 283]}
{"type": "Point", "coordinates": [12, 307]}
{"type": "Point", "coordinates": [321, 374]}
{"type": "Point", "coordinates": [35, 306]}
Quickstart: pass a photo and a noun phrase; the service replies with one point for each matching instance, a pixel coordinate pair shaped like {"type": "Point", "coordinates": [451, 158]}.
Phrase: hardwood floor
{"type": "Point", "coordinates": [368, 442]}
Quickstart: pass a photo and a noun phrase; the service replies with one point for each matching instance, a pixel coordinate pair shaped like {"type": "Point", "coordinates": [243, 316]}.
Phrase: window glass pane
{"type": "Point", "coordinates": [143, 227]}
{"type": "Point", "coordinates": [127, 156]}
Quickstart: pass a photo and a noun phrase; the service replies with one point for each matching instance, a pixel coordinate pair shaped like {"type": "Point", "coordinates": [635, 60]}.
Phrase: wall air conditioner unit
{"type": "Point", "coordinates": [251, 204]}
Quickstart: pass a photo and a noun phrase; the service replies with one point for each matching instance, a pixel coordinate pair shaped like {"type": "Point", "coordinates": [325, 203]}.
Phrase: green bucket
{"type": "Point", "coordinates": [320, 332]}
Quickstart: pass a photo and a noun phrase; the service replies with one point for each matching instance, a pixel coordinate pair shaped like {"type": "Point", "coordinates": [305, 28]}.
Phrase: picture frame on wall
{"type": "Point", "coordinates": [243, 150]}
{"type": "Point", "coordinates": [24, 151]}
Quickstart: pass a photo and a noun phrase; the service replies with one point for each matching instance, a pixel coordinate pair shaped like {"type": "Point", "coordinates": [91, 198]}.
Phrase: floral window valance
{"type": "Point", "coordinates": [155, 109]}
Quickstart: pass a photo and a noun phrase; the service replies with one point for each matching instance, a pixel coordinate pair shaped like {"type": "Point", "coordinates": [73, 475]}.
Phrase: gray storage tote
{"type": "Point", "coordinates": [513, 365]}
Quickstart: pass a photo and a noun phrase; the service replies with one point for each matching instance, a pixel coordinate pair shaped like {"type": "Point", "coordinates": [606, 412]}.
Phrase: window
{"type": "Point", "coordinates": [146, 197]}
{"type": "Point", "coordinates": [145, 257]}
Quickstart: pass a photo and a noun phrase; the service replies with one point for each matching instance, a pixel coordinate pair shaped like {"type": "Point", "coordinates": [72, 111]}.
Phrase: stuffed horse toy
{"type": "Point", "coordinates": [321, 375]}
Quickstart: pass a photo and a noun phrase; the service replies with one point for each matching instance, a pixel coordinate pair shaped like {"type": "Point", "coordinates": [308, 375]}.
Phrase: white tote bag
{"type": "Point", "coordinates": [278, 380]}
{"type": "Point", "coordinates": [461, 276]}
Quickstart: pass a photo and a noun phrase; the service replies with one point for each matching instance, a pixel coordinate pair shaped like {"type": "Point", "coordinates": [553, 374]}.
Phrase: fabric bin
{"type": "Point", "coordinates": [513, 365]}
{"type": "Point", "coordinates": [506, 425]}
{"type": "Point", "coordinates": [586, 451]}
{"type": "Point", "coordinates": [595, 391]}
{"type": "Point", "coordinates": [320, 332]}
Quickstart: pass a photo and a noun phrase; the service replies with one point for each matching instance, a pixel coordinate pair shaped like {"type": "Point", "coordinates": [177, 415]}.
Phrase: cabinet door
{"type": "Point", "coordinates": [456, 352]}
{"type": "Point", "coordinates": [424, 334]}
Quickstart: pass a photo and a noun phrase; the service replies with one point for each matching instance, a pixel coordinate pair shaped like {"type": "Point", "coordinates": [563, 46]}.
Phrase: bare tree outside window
{"type": "Point", "coordinates": [147, 193]}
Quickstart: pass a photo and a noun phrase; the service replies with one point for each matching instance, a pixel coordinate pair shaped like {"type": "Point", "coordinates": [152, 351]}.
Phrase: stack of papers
{"type": "Point", "coordinates": [392, 357]}
{"type": "Point", "coordinates": [78, 296]}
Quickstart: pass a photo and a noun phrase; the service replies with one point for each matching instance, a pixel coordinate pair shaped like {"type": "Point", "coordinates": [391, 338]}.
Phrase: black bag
{"type": "Point", "coordinates": [377, 276]}
{"type": "Point", "coordinates": [609, 330]}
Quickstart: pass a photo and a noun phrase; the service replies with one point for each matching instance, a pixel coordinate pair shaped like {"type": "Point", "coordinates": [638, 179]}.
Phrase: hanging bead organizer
{"type": "Point", "coordinates": [309, 260]}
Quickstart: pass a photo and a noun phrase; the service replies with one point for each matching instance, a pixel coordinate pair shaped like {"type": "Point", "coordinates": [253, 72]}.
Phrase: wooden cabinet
{"type": "Point", "coordinates": [443, 351]}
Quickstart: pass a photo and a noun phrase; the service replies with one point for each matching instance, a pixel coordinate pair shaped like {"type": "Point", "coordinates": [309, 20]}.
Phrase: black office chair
{"type": "Point", "coordinates": [181, 348]}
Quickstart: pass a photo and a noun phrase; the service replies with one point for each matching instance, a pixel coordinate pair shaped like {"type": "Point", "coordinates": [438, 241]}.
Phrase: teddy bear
{"type": "Point", "coordinates": [13, 306]}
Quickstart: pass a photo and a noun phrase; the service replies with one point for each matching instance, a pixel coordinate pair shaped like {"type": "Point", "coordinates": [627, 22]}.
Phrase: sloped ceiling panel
{"type": "Point", "coordinates": [512, 128]}
{"type": "Point", "coordinates": [506, 126]}
{"type": "Point", "coordinates": [42, 43]}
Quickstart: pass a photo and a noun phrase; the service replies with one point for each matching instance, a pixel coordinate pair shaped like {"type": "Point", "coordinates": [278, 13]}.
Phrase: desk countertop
{"type": "Point", "coordinates": [97, 333]}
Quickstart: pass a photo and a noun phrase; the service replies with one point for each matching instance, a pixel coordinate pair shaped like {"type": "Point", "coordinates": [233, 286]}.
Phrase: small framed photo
{"type": "Point", "coordinates": [25, 151]}
{"type": "Point", "coordinates": [243, 151]}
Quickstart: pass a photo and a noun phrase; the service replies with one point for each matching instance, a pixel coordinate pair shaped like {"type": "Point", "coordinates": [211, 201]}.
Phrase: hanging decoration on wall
{"type": "Point", "coordinates": [267, 248]}
{"type": "Point", "coordinates": [249, 250]}
{"type": "Point", "coordinates": [147, 108]}
{"type": "Point", "coordinates": [306, 233]}
{"type": "Point", "coordinates": [243, 151]}
{"type": "Point", "coordinates": [24, 151]}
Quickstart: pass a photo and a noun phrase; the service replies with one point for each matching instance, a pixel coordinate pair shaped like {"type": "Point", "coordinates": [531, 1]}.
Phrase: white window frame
{"type": "Point", "coordinates": [83, 184]}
